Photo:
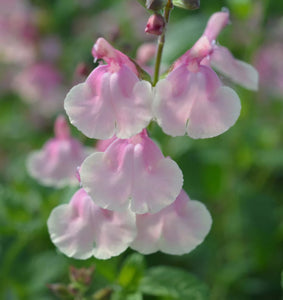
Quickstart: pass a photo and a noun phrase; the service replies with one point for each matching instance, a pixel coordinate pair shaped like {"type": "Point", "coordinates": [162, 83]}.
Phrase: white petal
{"type": "Point", "coordinates": [156, 185]}
{"type": "Point", "coordinates": [132, 102]}
{"type": "Point", "coordinates": [177, 229]}
{"type": "Point", "coordinates": [240, 72]}
{"type": "Point", "coordinates": [92, 113]}
{"type": "Point", "coordinates": [81, 229]}
{"type": "Point", "coordinates": [215, 114]}
{"type": "Point", "coordinates": [107, 177]}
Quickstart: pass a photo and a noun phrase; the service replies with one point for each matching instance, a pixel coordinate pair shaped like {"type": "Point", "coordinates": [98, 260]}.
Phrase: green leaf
{"type": "Point", "coordinates": [155, 4]}
{"type": "Point", "coordinates": [142, 73]}
{"type": "Point", "coordinates": [122, 295]}
{"type": "Point", "coordinates": [132, 272]}
{"type": "Point", "coordinates": [187, 4]}
{"type": "Point", "coordinates": [173, 283]}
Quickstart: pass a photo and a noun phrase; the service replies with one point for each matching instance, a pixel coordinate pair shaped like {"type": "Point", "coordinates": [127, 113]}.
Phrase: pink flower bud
{"type": "Point", "coordinates": [82, 69]}
{"type": "Point", "coordinates": [61, 128]}
{"type": "Point", "coordinates": [155, 24]}
{"type": "Point", "coordinates": [145, 53]}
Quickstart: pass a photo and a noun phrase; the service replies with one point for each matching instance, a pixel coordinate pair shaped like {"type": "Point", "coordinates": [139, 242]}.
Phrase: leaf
{"type": "Point", "coordinates": [132, 272]}
{"type": "Point", "coordinates": [142, 73]}
{"type": "Point", "coordinates": [173, 283]}
{"type": "Point", "coordinates": [187, 4]}
{"type": "Point", "coordinates": [122, 295]}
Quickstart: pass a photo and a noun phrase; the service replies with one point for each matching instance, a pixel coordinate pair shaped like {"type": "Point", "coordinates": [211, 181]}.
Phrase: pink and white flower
{"type": "Point", "coordinates": [41, 85]}
{"type": "Point", "coordinates": [56, 164]}
{"type": "Point", "coordinates": [113, 100]}
{"type": "Point", "coordinates": [81, 229]}
{"type": "Point", "coordinates": [131, 173]}
{"type": "Point", "coordinates": [17, 32]}
{"type": "Point", "coordinates": [192, 99]}
{"type": "Point", "coordinates": [176, 229]}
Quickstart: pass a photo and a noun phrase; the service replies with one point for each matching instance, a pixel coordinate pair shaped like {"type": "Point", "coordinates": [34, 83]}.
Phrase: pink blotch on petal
{"type": "Point", "coordinates": [81, 229]}
{"type": "Point", "coordinates": [177, 229]}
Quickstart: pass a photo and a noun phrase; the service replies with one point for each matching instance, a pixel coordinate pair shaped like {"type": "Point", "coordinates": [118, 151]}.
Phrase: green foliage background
{"type": "Point", "coordinates": [238, 175]}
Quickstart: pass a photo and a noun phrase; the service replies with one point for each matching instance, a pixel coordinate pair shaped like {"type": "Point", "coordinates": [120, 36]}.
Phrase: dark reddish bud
{"type": "Point", "coordinates": [155, 4]}
{"type": "Point", "coordinates": [82, 276]}
{"type": "Point", "coordinates": [82, 69]}
{"type": "Point", "coordinates": [155, 24]}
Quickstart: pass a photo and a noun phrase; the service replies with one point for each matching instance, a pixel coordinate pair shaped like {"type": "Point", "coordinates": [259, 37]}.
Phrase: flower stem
{"type": "Point", "coordinates": [161, 41]}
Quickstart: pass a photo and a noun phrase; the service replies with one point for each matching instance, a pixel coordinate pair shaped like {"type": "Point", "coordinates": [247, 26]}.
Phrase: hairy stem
{"type": "Point", "coordinates": [161, 41]}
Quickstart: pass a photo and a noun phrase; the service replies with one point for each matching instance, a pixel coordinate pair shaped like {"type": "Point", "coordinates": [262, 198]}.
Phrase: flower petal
{"type": "Point", "coordinates": [116, 231]}
{"type": "Point", "coordinates": [172, 104]}
{"type": "Point", "coordinates": [214, 110]}
{"type": "Point", "coordinates": [192, 222]}
{"type": "Point", "coordinates": [215, 24]}
{"type": "Point", "coordinates": [177, 229]}
{"type": "Point", "coordinates": [238, 71]}
{"type": "Point", "coordinates": [107, 177]}
{"type": "Point", "coordinates": [70, 226]}
{"type": "Point", "coordinates": [149, 232]}
{"type": "Point", "coordinates": [132, 101]}
{"type": "Point", "coordinates": [89, 105]}
{"type": "Point", "coordinates": [132, 172]}
{"type": "Point", "coordinates": [157, 182]}
{"type": "Point", "coordinates": [56, 164]}
{"type": "Point", "coordinates": [81, 229]}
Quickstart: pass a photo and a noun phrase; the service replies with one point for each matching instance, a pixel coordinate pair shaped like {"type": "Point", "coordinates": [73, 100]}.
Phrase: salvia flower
{"type": "Point", "coordinates": [112, 100]}
{"type": "Point", "coordinates": [56, 163]}
{"type": "Point", "coordinates": [41, 85]}
{"type": "Point", "coordinates": [192, 99]}
{"type": "Point", "coordinates": [81, 229]}
{"type": "Point", "coordinates": [176, 229]}
{"type": "Point", "coordinates": [131, 173]}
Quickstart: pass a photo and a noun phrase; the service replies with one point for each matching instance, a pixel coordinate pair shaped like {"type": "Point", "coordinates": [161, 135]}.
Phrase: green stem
{"type": "Point", "coordinates": [161, 42]}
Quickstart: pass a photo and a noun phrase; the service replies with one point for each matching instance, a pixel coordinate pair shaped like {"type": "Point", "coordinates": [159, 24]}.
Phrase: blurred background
{"type": "Point", "coordinates": [45, 48]}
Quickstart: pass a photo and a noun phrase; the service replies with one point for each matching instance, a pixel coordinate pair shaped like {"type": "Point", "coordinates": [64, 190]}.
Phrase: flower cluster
{"type": "Point", "coordinates": [131, 195]}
